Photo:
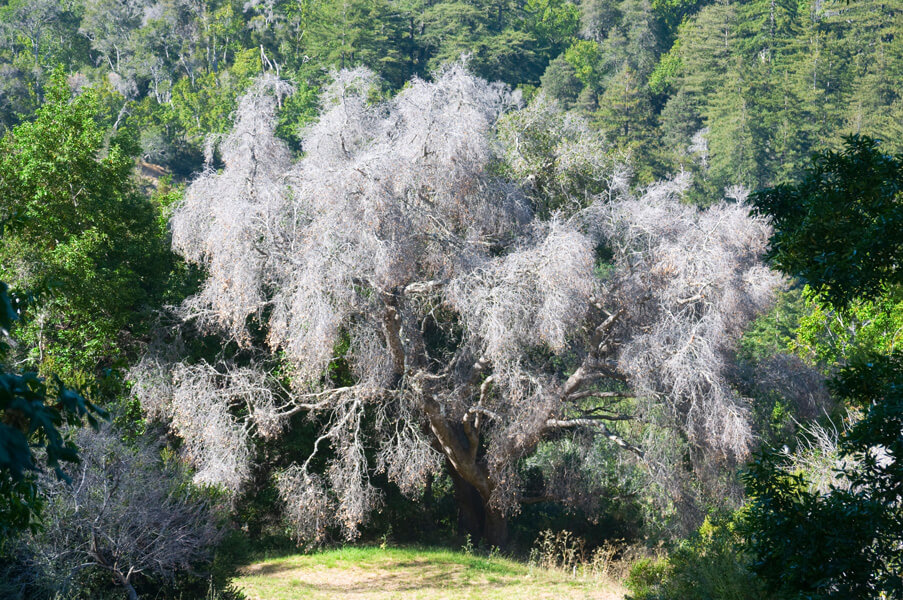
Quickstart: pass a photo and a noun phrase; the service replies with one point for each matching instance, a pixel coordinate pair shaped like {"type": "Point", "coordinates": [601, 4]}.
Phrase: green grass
{"type": "Point", "coordinates": [381, 573]}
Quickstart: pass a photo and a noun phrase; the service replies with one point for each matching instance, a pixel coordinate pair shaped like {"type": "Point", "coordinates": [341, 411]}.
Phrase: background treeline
{"type": "Point", "coordinates": [769, 81]}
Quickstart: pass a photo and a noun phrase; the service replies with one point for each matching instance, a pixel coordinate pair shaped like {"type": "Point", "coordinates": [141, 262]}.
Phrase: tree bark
{"type": "Point", "coordinates": [133, 595]}
{"type": "Point", "coordinates": [469, 504]}
{"type": "Point", "coordinates": [495, 527]}
{"type": "Point", "coordinates": [475, 516]}
{"type": "Point", "coordinates": [129, 588]}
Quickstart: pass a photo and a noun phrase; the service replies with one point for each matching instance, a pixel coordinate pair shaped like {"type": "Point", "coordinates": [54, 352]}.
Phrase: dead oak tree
{"type": "Point", "coordinates": [478, 320]}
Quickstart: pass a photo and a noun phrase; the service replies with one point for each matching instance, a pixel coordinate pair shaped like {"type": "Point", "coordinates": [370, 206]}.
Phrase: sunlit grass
{"type": "Point", "coordinates": [379, 573]}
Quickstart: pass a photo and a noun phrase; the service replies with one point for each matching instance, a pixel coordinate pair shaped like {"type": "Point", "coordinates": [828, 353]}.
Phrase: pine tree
{"type": "Point", "coordinates": [349, 33]}
{"type": "Point", "coordinates": [734, 140]}
{"type": "Point", "coordinates": [627, 118]}
{"type": "Point", "coordinates": [492, 33]}
{"type": "Point", "coordinates": [707, 45]}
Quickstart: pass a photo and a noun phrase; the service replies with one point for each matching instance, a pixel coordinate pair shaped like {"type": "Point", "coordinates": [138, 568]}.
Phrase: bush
{"type": "Point", "coordinates": [646, 577]}
{"type": "Point", "coordinates": [128, 517]}
{"type": "Point", "coordinates": [846, 539]}
{"type": "Point", "coordinates": [710, 565]}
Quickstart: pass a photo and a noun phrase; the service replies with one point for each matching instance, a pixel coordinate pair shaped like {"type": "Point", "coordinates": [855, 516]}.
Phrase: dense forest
{"type": "Point", "coordinates": [293, 273]}
{"type": "Point", "coordinates": [767, 82]}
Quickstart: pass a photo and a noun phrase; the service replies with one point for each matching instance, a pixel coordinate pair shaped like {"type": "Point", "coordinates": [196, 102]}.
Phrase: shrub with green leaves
{"type": "Point", "coordinates": [847, 542]}
{"type": "Point", "coordinates": [32, 415]}
{"type": "Point", "coordinates": [840, 229]}
{"type": "Point", "coordinates": [711, 564]}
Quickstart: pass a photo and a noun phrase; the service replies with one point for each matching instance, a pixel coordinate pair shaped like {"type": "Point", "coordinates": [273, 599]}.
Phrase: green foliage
{"type": "Point", "coordinates": [644, 578]}
{"type": "Point", "coordinates": [560, 82]}
{"type": "Point", "coordinates": [487, 34]}
{"type": "Point", "coordinates": [673, 12]}
{"type": "Point", "coordinates": [773, 80]}
{"type": "Point", "coordinates": [846, 542]}
{"type": "Point", "coordinates": [32, 415]}
{"type": "Point", "coordinates": [349, 33]}
{"type": "Point", "coordinates": [627, 118]}
{"type": "Point", "coordinates": [666, 70]}
{"type": "Point", "coordinates": [841, 228]}
{"type": "Point", "coordinates": [298, 110]}
{"type": "Point", "coordinates": [828, 336]}
{"type": "Point", "coordinates": [777, 330]}
{"type": "Point", "coordinates": [710, 564]}
{"type": "Point", "coordinates": [77, 228]}
{"type": "Point", "coordinates": [35, 34]}
{"type": "Point", "coordinates": [89, 251]}
{"type": "Point", "coordinates": [553, 24]}
{"type": "Point", "coordinates": [585, 57]}
{"type": "Point", "coordinates": [561, 173]}
{"type": "Point", "coordinates": [770, 371]}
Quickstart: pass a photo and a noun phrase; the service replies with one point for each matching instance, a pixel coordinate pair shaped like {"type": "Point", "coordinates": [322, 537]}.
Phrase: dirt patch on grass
{"type": "Point", "coordinates": [416, 578]}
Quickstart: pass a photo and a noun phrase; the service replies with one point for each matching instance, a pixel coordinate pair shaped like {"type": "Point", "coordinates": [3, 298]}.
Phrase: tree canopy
{"type": "Point", "coordinates": [77, 234]}
{"type": "Point", "coordinates": [841, 228]}
{"type": "Point", "coordinates": [473, 322]}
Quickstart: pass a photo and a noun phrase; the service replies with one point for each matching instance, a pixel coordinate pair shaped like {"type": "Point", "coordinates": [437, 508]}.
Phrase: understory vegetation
{"type": "Point", "coordinates": [475, 298]}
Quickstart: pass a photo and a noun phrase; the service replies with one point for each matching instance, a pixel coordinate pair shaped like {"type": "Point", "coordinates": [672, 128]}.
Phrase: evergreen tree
{"type": "Point", "coordinates": [626, 117]}
{"type": "Point", "coordinates": [349, 33]}
{"type": "Point", "coordinates": [734, 137]}
{"type": "Point", "coordinates": [560, 82]}
{"type": "Point", "coordinates": [489, 32]}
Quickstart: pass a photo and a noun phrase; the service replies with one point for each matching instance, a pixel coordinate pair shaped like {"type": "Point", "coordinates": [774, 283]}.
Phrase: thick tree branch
{"type": "Point", "coordinates": [603, 329]}
{"type": "Point", "coordinates": [597, 394]}
{"type": "Point", "coordinates": [481, 410]}
{"type": "Point", "coordinates": [424, 287]}
{"type": "Point", "coordinates": [459, 457]}
{"type": "Point", "coordinates": [392, 330]}
{"type": "Point", "coordinates": [602, 414]}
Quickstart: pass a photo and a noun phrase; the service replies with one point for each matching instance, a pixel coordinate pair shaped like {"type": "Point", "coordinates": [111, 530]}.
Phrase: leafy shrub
{"type": "Point", "coordinates": [845, 541]}
{"type": "Point", "coordinates": [712, 565]}
{"type": "Point", "coordinates": [645, 578]}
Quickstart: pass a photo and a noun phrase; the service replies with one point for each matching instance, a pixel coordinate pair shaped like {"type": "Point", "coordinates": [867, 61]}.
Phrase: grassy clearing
{"type": "Point", "coordinates": [375, 573]}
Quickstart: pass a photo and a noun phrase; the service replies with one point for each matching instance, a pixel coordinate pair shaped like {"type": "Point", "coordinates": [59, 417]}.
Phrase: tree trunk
{"type": "Point", "coordinates": [472, 481]}
{"type": "Point", "coordinates": [133, 595]}
{"type": "Point", "coordinates": [481, 522]}
{"type": "Point", "coordinates": [467, 499]}
{"type": "Point", "coordinates": [127, 584]}
{"type": "Point", "coordinates": [495, 527]}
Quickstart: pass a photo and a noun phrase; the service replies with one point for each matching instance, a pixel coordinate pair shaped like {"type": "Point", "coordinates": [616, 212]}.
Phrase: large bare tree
{"type": "Point", "coordinates": [488, 279]}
